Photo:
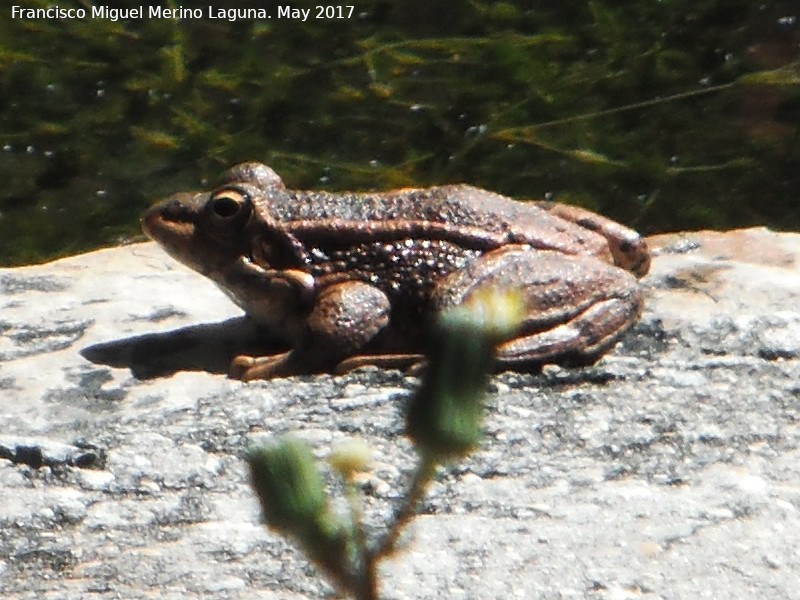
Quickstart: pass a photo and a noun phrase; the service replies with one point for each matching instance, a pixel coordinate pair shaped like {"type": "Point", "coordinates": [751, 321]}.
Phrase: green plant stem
{"type": "Point", "coordinates": [362, 581]}
{"type": "Point", "coordinates": [365, 577]}
{"type": "Point", "coordinates": [634, 106]}
{"type": "Point", "coordinates": [422, 477]}
{"type": "Point", "coordinates": [362, 586]}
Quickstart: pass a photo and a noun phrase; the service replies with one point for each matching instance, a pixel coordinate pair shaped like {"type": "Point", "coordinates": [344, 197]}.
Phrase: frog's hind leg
{"type": "Point", "coordinates": [579, 341]}
{"type": "Point", "coordinates": [627, 247]}
{"type": "Point", "coordinates": [577, 307]}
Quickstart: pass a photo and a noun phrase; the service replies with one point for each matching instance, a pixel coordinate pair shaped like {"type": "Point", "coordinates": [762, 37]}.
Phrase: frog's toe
{"type": "Point", "coordinates": [248, 368]}
{"type": "Point", "coordinates": [579, 341]}
{"type": "Point", "coordinates": [410, 363]}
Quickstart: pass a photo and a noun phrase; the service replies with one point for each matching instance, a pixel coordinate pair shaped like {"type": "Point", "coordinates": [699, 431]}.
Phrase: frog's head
{"type": "Point", "coordinates": [209, 231]}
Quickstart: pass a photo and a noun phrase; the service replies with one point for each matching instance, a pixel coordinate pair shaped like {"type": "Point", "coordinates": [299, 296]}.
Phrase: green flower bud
{"type": "Point", "coordinates": [445, 414]}
{"type": "Point", "coordinates": [293, 500]}
{"type": "Point", "coordinates": [350, 457]}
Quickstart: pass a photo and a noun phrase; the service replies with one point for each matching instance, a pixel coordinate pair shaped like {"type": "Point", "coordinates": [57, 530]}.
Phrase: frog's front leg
{"type": "Point", "coordinates": [577, 306]}
{"type": "Point", "coordinates": [344, 318]}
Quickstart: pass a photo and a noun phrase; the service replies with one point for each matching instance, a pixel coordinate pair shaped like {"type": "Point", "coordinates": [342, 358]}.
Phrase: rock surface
{"type": "Point", "coordinates": [668, 470]}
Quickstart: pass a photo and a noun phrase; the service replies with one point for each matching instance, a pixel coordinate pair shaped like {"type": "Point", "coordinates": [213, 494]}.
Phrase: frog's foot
{"type": "Point", "coordinates": [405, 362]}
{"type": "Point", "coordinates": [248, 368]}
{"type": "Point", "coordinates": [344, 318]}
{"type": "Point", "coordinates": [577, 307]}
{"type": "Point", "coordinates": [627, 247]}
{"type": "Point", "coordinates": [579, 341]}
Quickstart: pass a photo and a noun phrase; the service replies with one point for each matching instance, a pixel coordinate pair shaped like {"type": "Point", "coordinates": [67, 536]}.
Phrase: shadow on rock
{"type": "Point", "coordinates": [207, 347]}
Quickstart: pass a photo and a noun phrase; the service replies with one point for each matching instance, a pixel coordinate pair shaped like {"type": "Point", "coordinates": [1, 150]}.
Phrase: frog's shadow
{"type": "Point", "coordinates": [206, 347]}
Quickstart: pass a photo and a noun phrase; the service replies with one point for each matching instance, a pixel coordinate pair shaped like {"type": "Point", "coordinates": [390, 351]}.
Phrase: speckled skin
{"type": "Point", "coordinates": [339, 275]}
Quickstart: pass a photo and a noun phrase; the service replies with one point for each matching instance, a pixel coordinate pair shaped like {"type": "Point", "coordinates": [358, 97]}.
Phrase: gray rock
{"type": "Point", "coordinates": [668, 470]}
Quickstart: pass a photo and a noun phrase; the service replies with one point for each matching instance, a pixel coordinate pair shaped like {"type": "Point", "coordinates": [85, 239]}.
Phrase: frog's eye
{"type": "Point", "coordinates": [229, 208]}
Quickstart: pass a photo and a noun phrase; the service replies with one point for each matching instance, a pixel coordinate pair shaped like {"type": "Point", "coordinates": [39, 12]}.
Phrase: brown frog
{"type": "Point", "coordinates": [358, 278]}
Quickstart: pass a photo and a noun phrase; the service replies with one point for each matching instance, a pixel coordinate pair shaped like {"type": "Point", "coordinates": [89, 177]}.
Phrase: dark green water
{"type": "Point", "coordinates": [665, 115]}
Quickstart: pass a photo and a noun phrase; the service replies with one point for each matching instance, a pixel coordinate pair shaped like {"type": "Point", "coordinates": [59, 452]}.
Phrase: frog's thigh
{"type": "Point", "coordinates": [577, 306]}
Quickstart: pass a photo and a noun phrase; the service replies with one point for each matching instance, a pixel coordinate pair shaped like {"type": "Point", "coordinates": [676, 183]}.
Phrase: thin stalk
{"type": "Point", "coordinates": [365, 576]}
{"type": "Point", "coordinates": [422, 477]}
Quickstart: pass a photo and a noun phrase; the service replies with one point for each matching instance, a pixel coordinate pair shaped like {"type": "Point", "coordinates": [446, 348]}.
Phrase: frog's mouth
{"type": "Point", "coordinates": [204, 233]}
{"type": "Point", "coordinates": [173, 224]}
{"type": "Point", "coordinates": [174, 217]}
{"type": "Point", "coordinates": [156, 227]}
{"type": "Point", "coordinates": [177, 238]}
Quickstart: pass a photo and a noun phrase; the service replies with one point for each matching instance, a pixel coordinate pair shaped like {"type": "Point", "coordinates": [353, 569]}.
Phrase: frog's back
{"type": "Point", "coordinates": [454, 206]}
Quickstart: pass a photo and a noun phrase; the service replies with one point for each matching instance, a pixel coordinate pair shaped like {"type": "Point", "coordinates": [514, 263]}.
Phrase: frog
{"type": "Point", "coordinates": [351, 279]}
